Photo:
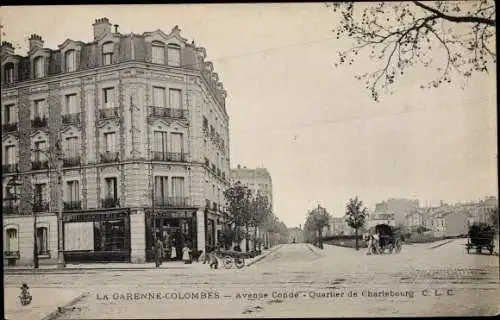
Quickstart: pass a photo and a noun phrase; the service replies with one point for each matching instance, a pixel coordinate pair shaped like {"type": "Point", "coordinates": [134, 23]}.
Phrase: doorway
{"type": "Point", "coordinates": [174, 234]}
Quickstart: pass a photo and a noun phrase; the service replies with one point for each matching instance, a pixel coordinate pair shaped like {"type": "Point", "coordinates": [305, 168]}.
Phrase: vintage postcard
{"type": "Point", "coordinates": [250, 160]}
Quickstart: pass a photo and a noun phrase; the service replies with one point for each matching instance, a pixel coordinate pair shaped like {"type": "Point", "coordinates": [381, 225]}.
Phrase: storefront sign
{"type": "Point", "coordinates": [95, 216]}
{"type": "Point", "coordinates": [173, 214]}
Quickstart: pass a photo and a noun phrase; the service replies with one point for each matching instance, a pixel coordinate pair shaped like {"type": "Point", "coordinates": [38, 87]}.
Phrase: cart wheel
{"type": "Point", "coordinates": [239, 262]}
{"type": "Point", "coordinates": [228, 262]}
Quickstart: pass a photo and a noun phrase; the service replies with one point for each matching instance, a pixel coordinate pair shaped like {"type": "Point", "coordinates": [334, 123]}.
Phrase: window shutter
{"type": "Point", "coordinates": [77, 59]}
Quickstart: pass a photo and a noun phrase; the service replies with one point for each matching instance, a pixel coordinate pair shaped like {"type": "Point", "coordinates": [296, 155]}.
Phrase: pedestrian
{"type": "Point", "coordinates": [213, 261]}
{"type": "Point", "coordinates": [158, 252]}
{"type": "Point", "coordinates": [185, 254]}
{"type": "Point", "coordinates": [208, 249]}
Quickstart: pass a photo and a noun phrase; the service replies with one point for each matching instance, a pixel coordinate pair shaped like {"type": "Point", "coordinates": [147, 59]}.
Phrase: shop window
{"type": "Point", "coordinates": [42, 241]}
{"type": "Point", "coordinates": [109, 235]}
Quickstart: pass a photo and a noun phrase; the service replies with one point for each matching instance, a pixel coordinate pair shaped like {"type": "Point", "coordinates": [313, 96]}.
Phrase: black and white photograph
{"type": "Point", "coordinates": [250, 160]}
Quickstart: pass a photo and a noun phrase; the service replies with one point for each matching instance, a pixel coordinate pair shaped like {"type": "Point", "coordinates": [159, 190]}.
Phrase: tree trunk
{"type": "Point", "coordinates": [255, 238]}
{"type": "Point", "coordinates": [356, 235]}
{"type": "Point", "coordinates": [320, 241]}
{"type": "Point", "coordinates": [246, 239]}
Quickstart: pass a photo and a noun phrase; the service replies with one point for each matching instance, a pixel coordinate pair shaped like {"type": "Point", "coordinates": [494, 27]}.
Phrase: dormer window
{"type": "Point", "coordinates": [174, 55]}
{"type": "Point", "coordinates": [39, 67]}
{"type": "Point", "coordinates": [9, 73]}
{"type": "Point", "coordinates": [107, 53]}
{"type": "Point", "coordinates": [70, 60]}
{"type": "Point", "coordinates": [158, 52]}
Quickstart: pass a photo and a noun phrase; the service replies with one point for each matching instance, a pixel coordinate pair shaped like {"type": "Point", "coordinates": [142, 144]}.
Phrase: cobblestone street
{"type": "Point", "coordinates": [295, 280]}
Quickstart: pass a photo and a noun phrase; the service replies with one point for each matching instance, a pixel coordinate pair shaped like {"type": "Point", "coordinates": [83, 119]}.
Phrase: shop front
{"type": "Point", "coordinates": [175, 228]}
{"type": "Point", "coordinates": [98, 236]}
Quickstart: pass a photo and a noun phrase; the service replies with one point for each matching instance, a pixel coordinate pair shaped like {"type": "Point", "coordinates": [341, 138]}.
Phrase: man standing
{"type": "Point", "coordinates": [158, 252]}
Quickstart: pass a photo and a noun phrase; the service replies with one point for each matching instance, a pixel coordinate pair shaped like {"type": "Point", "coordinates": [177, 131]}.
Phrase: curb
{"type": "Point", "coordinates": [441, 244]}
{"type": "Point", "coordinates": [60, 310]}
{"type": "Point", "coordinates": [263, 256]}
{"type": "Point", "coordinates": [80, 270]}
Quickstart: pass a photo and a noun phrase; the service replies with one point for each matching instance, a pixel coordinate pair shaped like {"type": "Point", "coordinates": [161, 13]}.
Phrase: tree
{"type": "Point", "coordinates": [400, 35]}
{"type": "Point", "coordinates": [260, 212]}
{"type": "Point", "coordinates": [317, 219]}
{"type": "Point", "coordinates": [356, 216]}
{"type": "Point", "coordinates": [238, 198]}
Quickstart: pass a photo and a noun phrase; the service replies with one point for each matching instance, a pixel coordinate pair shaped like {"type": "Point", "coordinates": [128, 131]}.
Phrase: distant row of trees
{"type": "Point", "coordinates": [248, 212]}
{"type": "Point", "coordinates": [318, 218]}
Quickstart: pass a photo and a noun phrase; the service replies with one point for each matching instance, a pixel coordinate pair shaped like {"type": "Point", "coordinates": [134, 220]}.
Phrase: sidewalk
{"type": "Point", "coordinates": [264, 254]}
{"type": "Point", "coordinates": [45, 303]}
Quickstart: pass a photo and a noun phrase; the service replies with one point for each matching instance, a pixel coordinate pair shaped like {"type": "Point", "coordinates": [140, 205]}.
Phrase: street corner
{"type": "Point", "coordinates": [40, 303]}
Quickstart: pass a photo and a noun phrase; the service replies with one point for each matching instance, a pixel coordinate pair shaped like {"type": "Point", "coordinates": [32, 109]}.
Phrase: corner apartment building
{"type": "Point", "coordinates": [142, 133]}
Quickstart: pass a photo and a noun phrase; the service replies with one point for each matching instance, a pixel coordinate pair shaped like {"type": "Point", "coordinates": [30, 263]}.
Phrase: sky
{"type": "Point", "coordinates": [311, 124]}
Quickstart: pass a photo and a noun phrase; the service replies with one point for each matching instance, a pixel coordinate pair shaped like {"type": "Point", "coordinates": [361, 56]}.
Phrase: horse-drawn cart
{"type": "Point", "coordinates": [390, 239]}
{"type": "Point", "coordinates": [230, 257]}
{"type": "Point", "coordinates": [480, 236]}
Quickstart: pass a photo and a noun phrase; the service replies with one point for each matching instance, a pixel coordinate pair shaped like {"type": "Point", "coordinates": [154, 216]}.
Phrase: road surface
{"type": "Point", "coordinates": [297, 280]}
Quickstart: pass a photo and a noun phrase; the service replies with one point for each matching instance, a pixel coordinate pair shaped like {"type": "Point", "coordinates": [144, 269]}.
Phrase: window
{"type": "Point", "coordinates": [70, 60]}
{"type": "Point", "coordinates": [42, 240]}
{"type": "Point", "coordinates": [107, 53]}
{"type": "Point", "coordinates": [109, 235]}
{"type": "Point", "coordinates": [10, 155]}
{"type": "Point", "coordinates": [10, 114]}
{"type": "Point", "coordinates": [175, 98]}
{"type": "Point", "coordinates": [160, 141]}
{"type": "Point", "coordinates": [72, 147]}
{"type": "Point", "coordinates": [39, 67]}
{"type": "Point", "coordinates": [73, 191]}
{"type": "Point", "coordinates": [161, 188]}
{"type": "Point", "coordinates": [174, 55]}
{"type": "Point", "coordinates": [39, 152]}
{"type": "Point", "coordinates": [176, 144]}
{"type": "Point", "coordinates": [70, 105]}
{"type": "Point", "coordinates": [111, 188]}
{"type": "Point", "coordinates": [178, 187]}
{"type": "Point", "coordinates": [158, 52]}
{"type": "Point", "coordinates": [110, 142]}
{"type": "Point", "coordinates": [158, 97]}
{"type": "Point", "coordinates": [9, 73]}
{"type": "Point", "coordinates": [41, 193]}
{"type": "Point", "coordinates": [109, 97]}
{"type": "Point", "coordinates": [39, 108]}
{"type": "Point", "coordinates": [12, 241]}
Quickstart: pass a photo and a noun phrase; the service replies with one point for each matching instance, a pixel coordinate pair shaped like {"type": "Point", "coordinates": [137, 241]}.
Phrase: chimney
{"type": "Point", "coordinates": [7, 48]}
{"type": "Point", "coordinates": [116, 27]}
{"type": "Point", "coordinates": [101, 26]}
{"type": "Point", "coordinates": [35, 42]}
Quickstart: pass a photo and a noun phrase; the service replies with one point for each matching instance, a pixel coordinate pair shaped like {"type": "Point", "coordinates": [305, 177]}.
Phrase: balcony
{"type": "Point", "coordinates": [9, 168]}
{"type": "Point", "coordinates": [40, 165]}
{"type": "Point", "coordinates": [164, 112]}
{"type": "Point", "coordinates": [110, 203]}
{"type": "Point", "coordinates": [39, 122]}
{"type": "Point", "coordinates": [72, 205]}
{"type": "Point", "coordinates": [108, 157]}
{"type": "Point", "coordinates": [108, 113]}
{"type": "Point", "coordinates": [71, 162]}
{"type": "Point", "coordinates": [170, 156]}
{"type": "Point", "coordinates": [71, 118]}
{"type": "Point", "coordinates": [41, 206]}
{"type": "Point", "coordinates": [9, 127]}
{"type": "Point", "coordinates": [171, 202]}
{"type": "Point", "coordinates": [10, 209]}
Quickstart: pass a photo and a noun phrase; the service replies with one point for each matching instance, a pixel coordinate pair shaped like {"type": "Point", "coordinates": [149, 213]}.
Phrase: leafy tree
{"type": "Point", "coordinates": [356, 216]}
{"type": "Point", "coordinates": [317, 219]}
{"type": "Point", "coordinates": [401, 35]}
{"type": "Point", "coordinates": [260, 212]}
{"type": "Point", "coordinates": [238, 198]}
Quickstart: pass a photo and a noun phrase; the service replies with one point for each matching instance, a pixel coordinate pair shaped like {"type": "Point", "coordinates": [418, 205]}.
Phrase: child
{"type": "Point", "coordinates": [185, 254]}
{"type": "Point", "coordinates": [213, 262]}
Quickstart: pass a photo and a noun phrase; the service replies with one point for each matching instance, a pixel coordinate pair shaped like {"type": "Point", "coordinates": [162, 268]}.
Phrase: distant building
{"type": "Point", "coordinates": [339, 226]}
{"type": "Point", "coordinates": [295, 235]}
{"type": "Point", "coordinates": [380, 218]}
{"type": "Point", "coordinates": [400, 208]}
{"type": "Point", "coordinates": [450, 223]}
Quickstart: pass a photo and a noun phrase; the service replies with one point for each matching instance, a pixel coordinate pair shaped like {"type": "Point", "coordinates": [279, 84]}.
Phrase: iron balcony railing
{"type": "Point", "coordinates": [71, 161]}
{"type": "Point", "coordinates": [41, 206]}
{"type": "Point", "coordinates": [10, 209]}
{"type": "Point", "coordinates": [40, 165]}
{"type": "Point", "coordinates": [165, 112]}
{"type": "Point", "coordinates": [170, 202]}
{"type": "Point", "coordinates": [39, 122]}
{"type": "Point", "coordinates": [9, 168]}
{"type": "Point", "coordinates": [9, 127]}
{"type": "Point", "coordinates": [71, 118]}
{"type": "Point", "coordinates": [170, 156]}
{"type": "Point", "coordinates": [109, 156]}
{"type": "Point", "coordinates": [72, 205]}
{"type": "Point", "coordinates": [110, 203]}
{"type": "Point", "coordinates": [107, 113]}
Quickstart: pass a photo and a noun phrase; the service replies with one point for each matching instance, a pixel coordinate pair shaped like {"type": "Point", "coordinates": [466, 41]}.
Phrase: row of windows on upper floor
{"type": "Point", "coordinates": [71, 61]}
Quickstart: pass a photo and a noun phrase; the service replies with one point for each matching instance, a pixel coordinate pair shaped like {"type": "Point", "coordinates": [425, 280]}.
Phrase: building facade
{"type": "Point", "coordinates": [295, 235]}
{"type": "Point", "coordinates": [400, 208]}
{"type": "Point", "coordinates": [128, 132]}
